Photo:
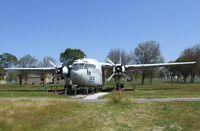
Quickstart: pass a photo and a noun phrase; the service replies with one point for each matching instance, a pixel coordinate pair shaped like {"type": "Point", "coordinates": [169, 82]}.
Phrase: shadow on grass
{"type": "Point", "coordinates": [108, 89]}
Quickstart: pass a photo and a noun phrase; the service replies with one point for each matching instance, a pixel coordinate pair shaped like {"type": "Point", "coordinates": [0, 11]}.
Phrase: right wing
{"type": "Point", "coordinates": [158, 65]}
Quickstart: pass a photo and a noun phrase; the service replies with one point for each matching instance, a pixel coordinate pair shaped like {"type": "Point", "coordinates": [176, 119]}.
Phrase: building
{"type": "Point", "coordinates": [34, 78]}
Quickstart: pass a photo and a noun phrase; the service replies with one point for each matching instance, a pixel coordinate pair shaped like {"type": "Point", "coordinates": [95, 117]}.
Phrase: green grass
{"type": "Point", "coordinates": [161, 90]}
{"type": "Point", "coordinates": [11, 90]}
{"type": "Point", "coordinates": [120, 113]}
{"type": "Point", "coordinates": [156, 90]}
{"type": "Point", "coordinates": [14, 94]}
{"type": "Point", "coordinates": [28, 87]}
{"type": "Point", "coordinates": [61, 115]}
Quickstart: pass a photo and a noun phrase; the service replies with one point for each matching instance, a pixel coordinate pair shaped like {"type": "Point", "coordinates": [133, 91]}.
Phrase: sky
{"type": "Point", "coordinates": [47, 27]}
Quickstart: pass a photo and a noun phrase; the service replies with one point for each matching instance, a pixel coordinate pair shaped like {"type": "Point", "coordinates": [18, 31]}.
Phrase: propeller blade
{"type": "Point", "coordinates": [120, 60]}
{"type": "Point", "coordinates": [53, 77]}
{"type": "Point", "coordinates": [126, 76]}
{"type": "Point", "coordinates": [52, 63]}
{"type": "Point", "coordinates": [108, 60]}
{"type": "Point", "coordinates": [111, 77]}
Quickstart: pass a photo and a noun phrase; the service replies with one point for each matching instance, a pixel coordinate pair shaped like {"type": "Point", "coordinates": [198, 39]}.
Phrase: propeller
{"type": "Point", "coordinates": [118, 69]}
{"type": "Point", "coordinates": [109, 61]}
{"type": "Point", "coordinates": [111, 77]}
{"type": "Point", "coordinates": [59, 70]}
{"type": "Point", "coordinates": [52, 63]}
{"type": "Point", "coordinates": [120, 59]}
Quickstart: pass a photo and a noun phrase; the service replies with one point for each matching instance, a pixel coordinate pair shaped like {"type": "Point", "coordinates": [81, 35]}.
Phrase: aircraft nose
{"type": "Point", "coordinates": [77, 77]}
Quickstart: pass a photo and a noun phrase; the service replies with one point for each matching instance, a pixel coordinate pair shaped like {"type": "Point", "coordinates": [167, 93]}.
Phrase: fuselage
{"type": "Point", "coordinates": [86, 72]}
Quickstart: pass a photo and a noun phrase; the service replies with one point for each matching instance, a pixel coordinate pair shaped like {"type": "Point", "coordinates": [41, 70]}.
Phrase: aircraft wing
{"type": "Point", "coordinates": [43, 69]}
{"type": "Point", "coordinates": [106, 64]}
{"type": "Point", "coordinates": [159, 64]}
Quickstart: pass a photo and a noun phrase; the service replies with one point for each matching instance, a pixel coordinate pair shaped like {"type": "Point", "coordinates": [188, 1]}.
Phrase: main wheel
{"type": "Point", "coordinates": [121, 86]}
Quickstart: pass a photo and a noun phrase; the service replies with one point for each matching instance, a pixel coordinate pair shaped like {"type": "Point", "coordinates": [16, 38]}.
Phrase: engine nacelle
{"type": "Point", "coordinates": [123, 69]}
{"type": "Point", "coordinates": [65, 70]}
{"type": "Point", "coordinates": [119, 69]}
{"type": "Point", "coordinates": [59, 70]}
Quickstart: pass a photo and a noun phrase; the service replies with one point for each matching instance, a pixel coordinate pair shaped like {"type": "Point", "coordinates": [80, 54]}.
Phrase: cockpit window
{"type": "Point", "coordinates": [78, 66]}
{"type": "Point", "coordinates": [83, 66]}
{"type": "Point", "coordinates": [75, 66]}
{"type": "Point", "coordinates": [90, 66]}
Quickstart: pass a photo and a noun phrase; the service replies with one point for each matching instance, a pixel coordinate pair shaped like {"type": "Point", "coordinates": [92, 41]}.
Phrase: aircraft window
{"type": "Point", "coordinates": [90, 66]}
{"type": "Point", "coordinates": [75, 66]}
{"type": "Point", "coordinates": [87, 65]}
{"type": "Point", "coordinates": [79, 66]}
{"type": "Point", "coordinates": [93, 66]}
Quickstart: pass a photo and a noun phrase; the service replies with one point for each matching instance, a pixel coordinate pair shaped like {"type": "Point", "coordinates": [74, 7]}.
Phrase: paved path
{"type": "Point", "coordinates": [166, 100]}
{"type": "Point", "coordinates": [95, 96]}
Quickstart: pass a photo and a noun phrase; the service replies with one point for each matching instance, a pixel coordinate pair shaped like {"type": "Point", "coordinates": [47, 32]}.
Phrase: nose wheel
{"type": "Point", "coordinates": [119, 86]}
{"type": "Point", "coordinates": [68, 85]}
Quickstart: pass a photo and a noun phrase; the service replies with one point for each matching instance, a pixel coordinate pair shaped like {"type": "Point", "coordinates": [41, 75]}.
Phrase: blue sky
{"type": "Point", "coordinates": [47, 27]}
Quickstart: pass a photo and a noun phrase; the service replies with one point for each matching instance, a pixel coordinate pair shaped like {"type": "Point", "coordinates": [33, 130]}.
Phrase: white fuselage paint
{"type": "Point", "coordinates": [86, 72]}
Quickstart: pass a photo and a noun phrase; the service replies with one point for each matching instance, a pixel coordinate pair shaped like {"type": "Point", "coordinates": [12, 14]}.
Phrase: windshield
{"type": "Point", "coordinates": [90, 66]}
{"type": "Point", "coordinates": [78, 66]}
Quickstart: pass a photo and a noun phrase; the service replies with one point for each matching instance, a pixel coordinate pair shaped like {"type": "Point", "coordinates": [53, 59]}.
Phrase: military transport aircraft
{"type": "Point", "coordinates": [90, 73]}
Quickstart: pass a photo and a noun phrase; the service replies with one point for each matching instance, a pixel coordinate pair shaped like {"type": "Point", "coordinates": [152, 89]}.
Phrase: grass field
{"type": "Point", "coordinates": [120, 113]}
{"type": "Point", "coordinates": [162, 90]}
{"type": "Point", "coordinates": [13, 91]}
{"type": "Point", "coordinates": [157, 90]}
{"type": "Point", "coordinates": [61, 115]}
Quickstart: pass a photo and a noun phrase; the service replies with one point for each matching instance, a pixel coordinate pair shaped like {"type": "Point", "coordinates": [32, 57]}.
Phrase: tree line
{"type": "Point", "coordinates": [189, 54]}
{"type": "Point", "coordinates": [147, 52]}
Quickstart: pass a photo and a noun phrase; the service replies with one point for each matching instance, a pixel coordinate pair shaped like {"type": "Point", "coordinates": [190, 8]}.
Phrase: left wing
{"type": "Point", "coordinates": [32, 70]}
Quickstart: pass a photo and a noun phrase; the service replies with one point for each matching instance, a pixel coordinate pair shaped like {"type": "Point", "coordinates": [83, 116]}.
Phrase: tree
{"type": "Point", "coordinates": [146, 53]}
{"type": "Point", "coordinates": [163, 73]}
{"type": "Point", "coordinates": [12, 75]}
{"type": "Point", "coordinates": [196, 67]}
{"type": "Point", "coordinates": [151, 73]}
{"type": "Point", "coordinates": [190, 54]}
{"type": "Point", "coordinates": [27, 61]}
{"type": "Point", "coordinates": [172, 70]}
{"type": "Point", "coordinates": [70, 55]}
{"type": "Point", "coordinates": [2, 73]}
{"type": "Point", "coordinates": [6, 60]}
{"type": "Point", "coordinates": [115, 54]}
{"type": "Point", "coordinates": [45, 62]}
